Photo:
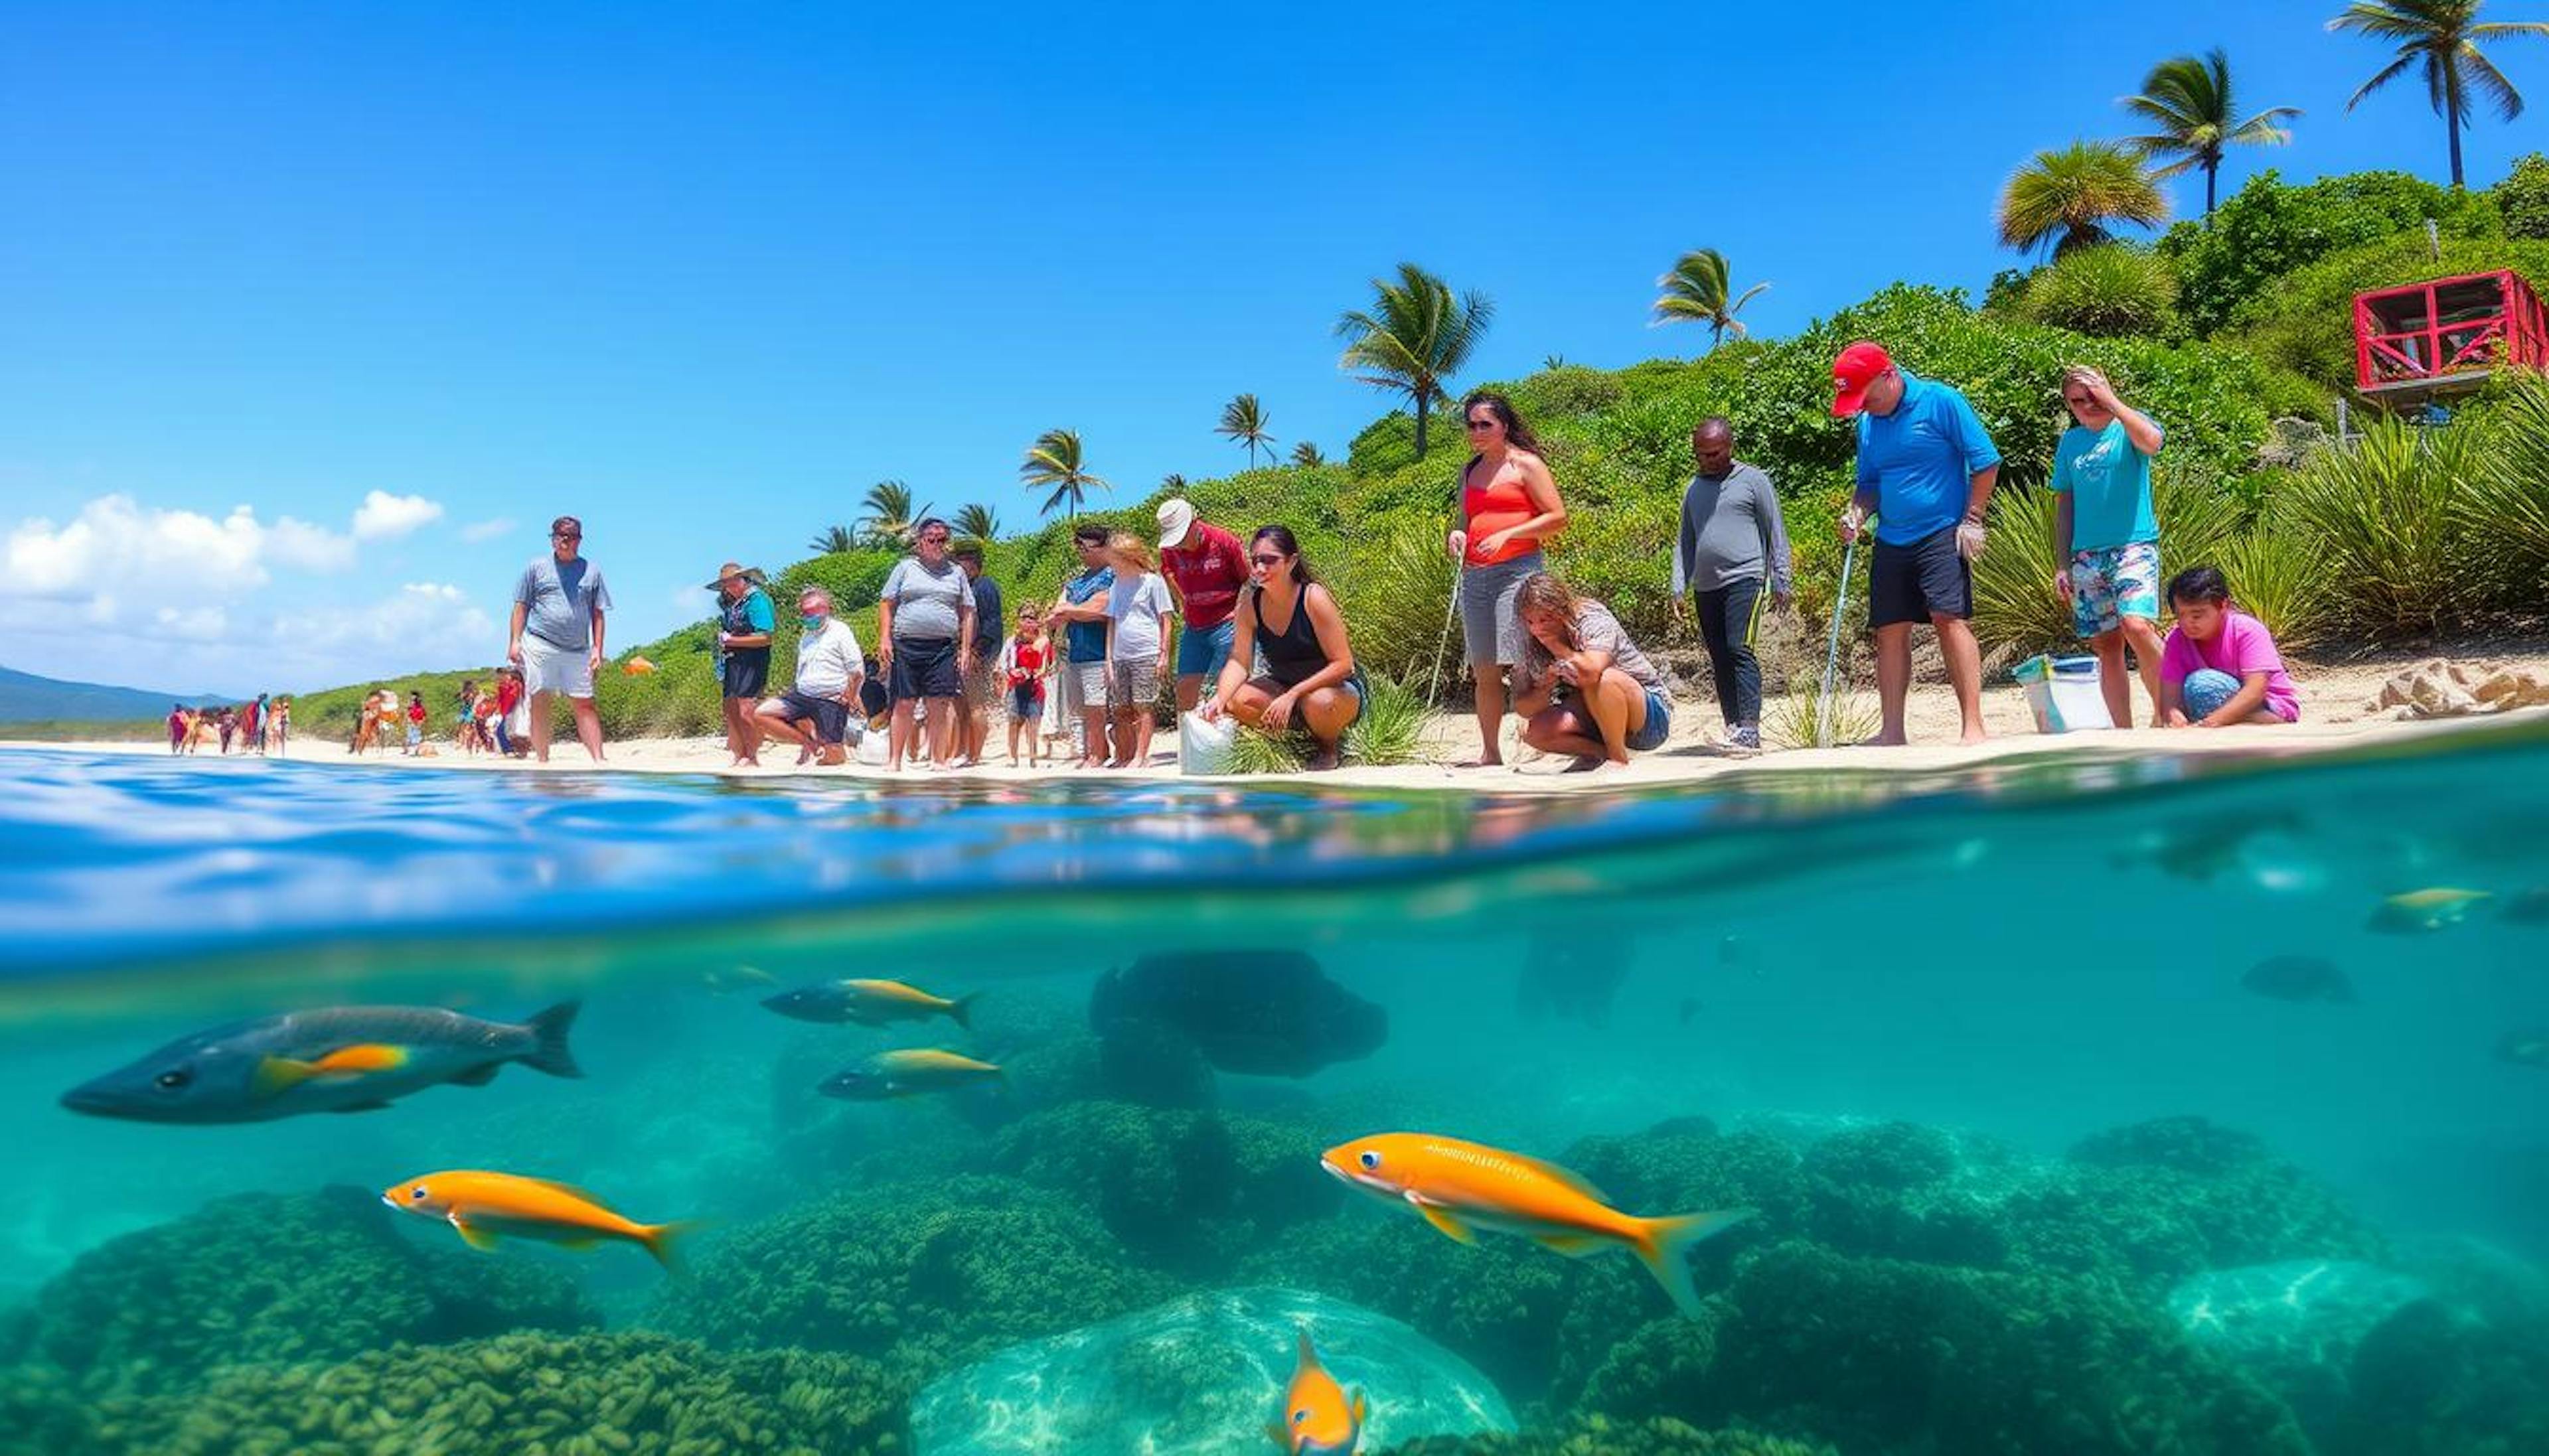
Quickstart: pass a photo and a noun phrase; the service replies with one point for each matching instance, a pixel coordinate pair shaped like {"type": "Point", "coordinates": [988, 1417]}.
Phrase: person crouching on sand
{"type": "Point", "coordinates": [2219, 666]}
{"type": "Point", "coordinates": [1583, 686]}
{"type": "Point", "coordinates": [1288, 619]}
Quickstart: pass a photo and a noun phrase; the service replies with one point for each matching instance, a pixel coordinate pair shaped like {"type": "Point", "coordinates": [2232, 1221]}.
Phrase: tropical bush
{"type": "Point", "coordinates": [2383, 524]}
{"type": "Point", "coordinates": [2267, 231]}
{"type": "Point", "coordinates": [2015, 603]}
{"type": "Point", "coordinates": [2523, 199]}
{"type": "Point", "coordinates": [2506, 505]}
{"type": "Point", "coordinates": [2107, 292]}
{"type": "Point", "coordinates": [2276, 576]}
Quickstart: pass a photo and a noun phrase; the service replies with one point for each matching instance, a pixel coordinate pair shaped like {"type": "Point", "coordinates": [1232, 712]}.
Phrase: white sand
{"type": "Point", "coordinates": [2337, 713]}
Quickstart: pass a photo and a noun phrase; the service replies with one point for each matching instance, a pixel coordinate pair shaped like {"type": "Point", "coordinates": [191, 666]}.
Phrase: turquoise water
{"type": "Point", "coordinates": [1987, 1052]}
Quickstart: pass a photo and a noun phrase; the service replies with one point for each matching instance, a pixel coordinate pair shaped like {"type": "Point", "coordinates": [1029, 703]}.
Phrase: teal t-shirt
{"type": "Point", "coordinates": [2110, 487]}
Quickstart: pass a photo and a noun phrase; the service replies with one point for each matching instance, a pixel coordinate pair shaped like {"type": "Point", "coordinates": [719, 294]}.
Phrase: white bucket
{"type": "Point", "coordinates": [1204, 747]}
{"type": "Point", "coordinates": [2065, 694]}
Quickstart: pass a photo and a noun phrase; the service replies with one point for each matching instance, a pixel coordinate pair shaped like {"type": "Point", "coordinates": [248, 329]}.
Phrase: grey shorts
{"type": "Point", "coordinates": [1088, 684]}
{"type": "Point", "coordinates": [1491, 628]}
{"type": "Point", "coordinates": [1134, 684]}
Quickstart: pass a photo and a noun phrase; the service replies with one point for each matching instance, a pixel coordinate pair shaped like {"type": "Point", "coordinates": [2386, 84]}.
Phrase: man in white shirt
{"type": "Point", "coordinates": [814, 713]}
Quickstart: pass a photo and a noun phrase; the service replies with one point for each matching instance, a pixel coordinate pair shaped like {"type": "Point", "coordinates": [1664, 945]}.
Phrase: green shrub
{"type": "Point", "coordinates": [1568, 389]}
{"type": "Point", "coordinates": [2523, 197]}
{"type": "Point", "coordinates": [2266, 231]}
{"type": "Point", "coordinates": [2276, 576]}
{"type": "Point", "coordinates": [2505, 506]}
{"type": "Point", "coordinates": [2014, 604]}
{"type": "Point", "coordinates": [1390, 732]}
{"type": "Point", "coordinates": [2107, 292]}
{"type": "Point", "coordinates": [2381, 521]}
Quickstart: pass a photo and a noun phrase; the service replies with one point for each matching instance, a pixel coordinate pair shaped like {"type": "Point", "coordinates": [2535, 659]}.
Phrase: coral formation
{"type": "Point", "coordinates": [268, 1278]}
{"type": "Point", "coordinates": [1195, 1189]}
{"type": "Point", "coordinates": [1599, 1436]}
{"type": "Point", "coordinates": [919, 1276]}
{"type": "Point", "coordinates": [587, 1395]}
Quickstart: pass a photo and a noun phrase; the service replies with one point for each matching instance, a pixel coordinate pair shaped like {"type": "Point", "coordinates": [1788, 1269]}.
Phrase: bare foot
{"type": "Point", "coordinates": [1479, 763]}
{"type": "Point", "coordinates": [1884, 740]}
{"type": "Point", "coordinates": [1974, 736]}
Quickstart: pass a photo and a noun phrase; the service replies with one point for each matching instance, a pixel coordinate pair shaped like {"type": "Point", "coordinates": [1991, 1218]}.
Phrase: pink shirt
{"type": "Point", "coordinates": [2243, 646]}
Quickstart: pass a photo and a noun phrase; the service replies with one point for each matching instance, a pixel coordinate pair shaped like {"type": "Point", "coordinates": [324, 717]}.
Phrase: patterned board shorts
{"type": "Point", "coordinates": [2112, 582]}
{"type": "Point", "coordinates": [1131, 686]}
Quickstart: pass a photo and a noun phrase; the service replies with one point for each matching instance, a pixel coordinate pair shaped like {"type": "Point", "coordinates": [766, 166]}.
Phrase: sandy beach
{"type": "Point", "coordinates": [2341, 710]}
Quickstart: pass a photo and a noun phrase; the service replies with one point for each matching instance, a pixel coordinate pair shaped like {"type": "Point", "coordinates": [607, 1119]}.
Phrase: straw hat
{"type": "Point", "coordinates": [731, 569]}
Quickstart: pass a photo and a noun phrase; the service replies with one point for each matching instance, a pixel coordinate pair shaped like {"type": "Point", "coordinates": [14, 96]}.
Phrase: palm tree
{"type": "Point", "coordinates": [832, 540]}
{"type": "Point", "coordinates": [1415, 337]}
{"type": "Point", "coordinates": [890, 512]}
{"type": "Point", "coordinates": [2444, 37]}
{"type": "Point", "coordinates": [2068, 198]}
{"type": "Point", "coordinates": [978, 522]}
{"type": "Point", "coordinates": [1174, 483]}
{"type": "Point", "coordinates": [1695, 293]}
{"type": "Point", "coordinates": [2187, 99]}
{"type": "Point", "coordinates": [1054, 463]}
{"type": "Point", "coordinates": [1307, 453]}
{"type": "Point", "coordinates": [1244, 420]}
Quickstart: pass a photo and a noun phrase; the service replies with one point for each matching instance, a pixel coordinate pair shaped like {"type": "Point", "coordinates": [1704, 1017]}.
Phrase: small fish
{"type": "Point", "coordinates": [1317, 1419]}
{"type": "Point", "coordinates": [1463, 1187]}
{"type": "Point", "coordinates": [636, 666]}
{"type": "Point", "coordinates": [341, 1059]}
{"type": "Point", "coordinates": [735, 979]}
{"type": "Point", "coordinates": [2525, 1048]}
{"type": "Point", "coordinates": [869, 1004]}
{"type": "Point", "coordinates": [483, 1206]}
{"type": "Point", "coordinates": [2424, 910]}
{"type": "Point", "coordinates": [889, 1074]}
{"type": "Point", "coordinates": [2299, 978]}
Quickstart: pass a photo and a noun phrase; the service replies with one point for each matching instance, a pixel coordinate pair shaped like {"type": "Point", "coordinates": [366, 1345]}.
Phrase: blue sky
{"type": "Point", "coordinates": [703, 274]}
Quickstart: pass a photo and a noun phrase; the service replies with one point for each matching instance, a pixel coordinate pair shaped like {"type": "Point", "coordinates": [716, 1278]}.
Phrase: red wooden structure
{"type": "Point", "coordinates": [2446, 336]}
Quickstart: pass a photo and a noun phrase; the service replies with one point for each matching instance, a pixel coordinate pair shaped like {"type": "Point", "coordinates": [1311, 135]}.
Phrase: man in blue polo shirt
{"type": "Point", "coordinates": [1925, 470]}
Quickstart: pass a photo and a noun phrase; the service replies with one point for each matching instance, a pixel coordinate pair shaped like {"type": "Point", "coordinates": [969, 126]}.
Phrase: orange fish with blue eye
{"type": "Point", "coordinates": [1318, 1418]}
{"type": "Point", "coordinates": [483, 1206]}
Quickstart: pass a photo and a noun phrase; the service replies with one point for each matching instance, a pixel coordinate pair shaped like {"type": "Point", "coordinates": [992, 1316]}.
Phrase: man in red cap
{"type": "Point", "coordinates": [1926, 471]}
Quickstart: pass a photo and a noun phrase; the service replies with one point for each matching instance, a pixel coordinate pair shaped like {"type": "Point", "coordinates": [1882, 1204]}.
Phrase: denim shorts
{"type": "Point", "coordinates": [1202, 650]}
{"type": "Point", "coordinates": [1659, 724]}
{"type": "Point", "coordinates": [1491, 625]}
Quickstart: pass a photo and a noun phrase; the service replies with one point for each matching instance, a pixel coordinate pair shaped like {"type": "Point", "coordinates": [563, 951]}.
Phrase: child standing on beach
{"type": "Point", "coordinates": [2219, 666]}
{"type": "Point", "coordinates": [1137, 646]}
{"type": "Point", "coordinates": [415, 722]}
{"type": "Point", "coordinates": [1023, 658]}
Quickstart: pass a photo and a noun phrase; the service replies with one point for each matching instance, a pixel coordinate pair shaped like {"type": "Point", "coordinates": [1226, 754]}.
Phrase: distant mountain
{"type": "Point", "coordinates": [26, 697]}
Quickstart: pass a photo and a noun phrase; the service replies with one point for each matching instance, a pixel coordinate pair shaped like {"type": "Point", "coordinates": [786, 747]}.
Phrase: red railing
{"type": "Point", "coordinates": [2500, 321]}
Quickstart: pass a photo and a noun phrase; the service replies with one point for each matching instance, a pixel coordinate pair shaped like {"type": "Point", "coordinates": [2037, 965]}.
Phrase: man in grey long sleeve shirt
{"type": "Point", "coordinates": [1732, 546]}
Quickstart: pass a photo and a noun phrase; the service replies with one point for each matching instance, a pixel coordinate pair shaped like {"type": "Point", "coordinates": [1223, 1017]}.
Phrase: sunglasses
{"type": "Point", "coordinates": [564, 536]}
{"type": "Point", "coordinates": [1482, 424]}
{"type": "Point", "coordinates": [2079, 401]}
{"type": "Point", "coordinates": [1266, 560]}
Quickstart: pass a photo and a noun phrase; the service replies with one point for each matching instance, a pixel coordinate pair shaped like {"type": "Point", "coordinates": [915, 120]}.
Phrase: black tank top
{"type": "Point", "coordinates": [1294, 653]}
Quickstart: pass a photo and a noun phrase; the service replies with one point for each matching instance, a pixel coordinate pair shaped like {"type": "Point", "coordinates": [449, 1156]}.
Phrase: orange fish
{"type": "Point", "coordinates": [1463, 1187]}
{"type": "Point", "coordinates": [480, 1207]}
{"type": "Point", "coordinates": [1317, 1420]}
{"type": "Point", "coordinates": [636, 666]}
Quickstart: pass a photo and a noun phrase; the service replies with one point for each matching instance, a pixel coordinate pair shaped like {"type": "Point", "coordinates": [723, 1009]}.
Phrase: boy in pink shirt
{"type": "Point", "coordinates": [2220, 665]}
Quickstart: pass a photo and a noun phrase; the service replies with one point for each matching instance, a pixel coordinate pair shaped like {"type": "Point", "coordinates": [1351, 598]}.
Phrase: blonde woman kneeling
{"type": "Point", "coordinates": [1583, 686]}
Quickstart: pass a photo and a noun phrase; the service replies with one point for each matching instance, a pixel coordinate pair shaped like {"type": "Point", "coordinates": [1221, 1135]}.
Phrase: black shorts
{"type": "Point", "coordinates": [925, 666]}
{"type": "Point", "coordinates": [1026, 701]}
{"type": "Point", "coordinates": [829, 715]}
{"type": "Point", "coordinates": [747, 672]}
{"type": "Point", "coordinates": [1912, 584]}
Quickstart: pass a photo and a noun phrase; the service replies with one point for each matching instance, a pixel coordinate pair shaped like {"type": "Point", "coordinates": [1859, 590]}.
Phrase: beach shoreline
{"type": "Point", "coordinates": [2341, 715]}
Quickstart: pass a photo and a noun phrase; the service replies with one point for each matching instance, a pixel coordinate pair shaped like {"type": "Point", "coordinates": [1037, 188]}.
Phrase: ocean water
{"type": "Point", "coordinates": [2140, 1060]}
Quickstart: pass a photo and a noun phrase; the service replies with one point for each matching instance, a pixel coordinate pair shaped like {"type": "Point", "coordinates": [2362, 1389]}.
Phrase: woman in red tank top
{"type": "Point", "coordinates": [1509, 504]}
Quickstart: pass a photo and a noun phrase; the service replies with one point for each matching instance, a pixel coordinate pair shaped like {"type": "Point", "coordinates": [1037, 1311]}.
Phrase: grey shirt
{"type": "Point", "coordinates": [1597, 630]}
{"type": "Point", "coordinates": [927, 604]}
{"type": "Point", "coordinates": [562, 597]}
{"type": "Point", "coordinates": [1730, 531]}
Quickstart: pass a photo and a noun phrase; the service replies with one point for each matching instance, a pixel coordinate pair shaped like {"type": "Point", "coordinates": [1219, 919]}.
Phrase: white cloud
{"type": "Point", "coordinates": [383, 516]}
{"type": "Point", "coordinates": [486, 530]}
{"type": "Point", "coordinates": [114, 545]}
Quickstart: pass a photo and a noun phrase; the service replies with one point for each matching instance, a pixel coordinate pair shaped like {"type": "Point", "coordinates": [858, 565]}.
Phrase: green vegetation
{"type": "Point", "coordinates": [976, 522]}
{"type": "Point", "coordinates": [1697, 291]}
{"type": "Point", "coordinates": [2071, 198]}
{"type": "Point", "coordinates": [2187, 100]}
{"type": "Point", "coordinates": [1055, 465]}
{"type": "Point", "coordinates": [891, 516]}
{"type": "Point", "coordinates": [1414, 339]}
{"type": "Point", "coordinates": [1243, 420]}
{"type": "Point", "coordinates": [2523, 197]}
{"type": "Point", "coordinates": [2112, 291]}
{"type": "Point", "coordinates": [2444, 41]}
{"type": "Point", "coordinates": [2268, 230]}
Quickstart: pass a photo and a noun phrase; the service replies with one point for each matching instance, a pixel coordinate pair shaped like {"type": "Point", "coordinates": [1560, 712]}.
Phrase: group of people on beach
{"type": "Point", "coordinates": [262, 725]}
{"type": "Point", "coordinates": [1248, 630]}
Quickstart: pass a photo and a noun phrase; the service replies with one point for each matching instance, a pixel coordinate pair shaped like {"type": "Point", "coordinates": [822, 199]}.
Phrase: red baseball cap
{"type": "Point", "coordinates": [1858, 367]}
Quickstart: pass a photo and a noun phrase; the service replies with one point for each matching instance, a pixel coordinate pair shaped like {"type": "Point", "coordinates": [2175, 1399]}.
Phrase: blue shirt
{"type": "Point", "coordinates": [751, 615]}
{"type": "Point", "coordinates": [2109, 482]}
{"type": "Point", "coordinates": [1921, 460]}
{"type": "Point", "coordinates": [1086, 641]}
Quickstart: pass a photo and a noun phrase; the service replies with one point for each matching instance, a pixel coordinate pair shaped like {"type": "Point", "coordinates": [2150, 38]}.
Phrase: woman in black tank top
{"type": "Point", "coordinates": [1291, 620]}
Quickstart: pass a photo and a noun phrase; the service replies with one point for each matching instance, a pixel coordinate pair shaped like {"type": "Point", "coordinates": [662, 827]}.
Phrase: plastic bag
{"type": "Point", "coordinates": [1204, 747]}
{"type": "Point", "coordinates": [873, 749]}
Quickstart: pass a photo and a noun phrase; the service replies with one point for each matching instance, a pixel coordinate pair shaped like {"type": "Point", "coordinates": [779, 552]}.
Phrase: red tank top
{"type": "Point", "coordinates": [1500, 504]}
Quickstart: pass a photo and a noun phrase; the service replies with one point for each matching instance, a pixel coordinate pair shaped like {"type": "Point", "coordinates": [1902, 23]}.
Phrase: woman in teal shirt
{"type": "Point", "coordinates": [745, 622]}
{"type": "Point", "coordinates": [2107, 536]}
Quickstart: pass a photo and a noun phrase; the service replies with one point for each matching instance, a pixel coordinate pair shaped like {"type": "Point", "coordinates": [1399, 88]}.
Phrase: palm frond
{"type": "Point", "coordinates": [2067, 198]}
